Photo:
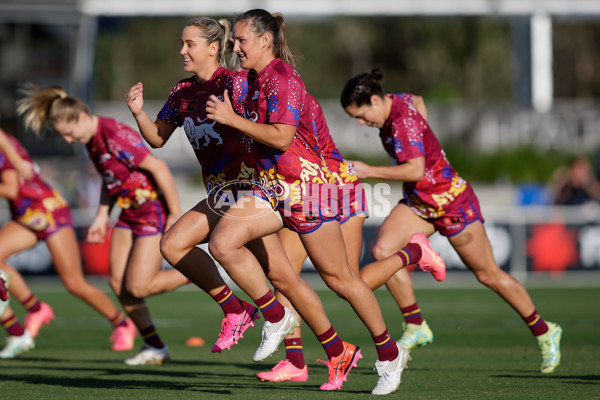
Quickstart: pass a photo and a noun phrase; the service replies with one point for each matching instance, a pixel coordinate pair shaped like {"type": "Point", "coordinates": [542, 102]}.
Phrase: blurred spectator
{"type": "Point", "coordinates": [576, 183]}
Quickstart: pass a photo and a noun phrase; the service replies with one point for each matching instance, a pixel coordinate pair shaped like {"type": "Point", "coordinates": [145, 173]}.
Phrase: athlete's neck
{"type": "Point", "coordinates": [206, 74]}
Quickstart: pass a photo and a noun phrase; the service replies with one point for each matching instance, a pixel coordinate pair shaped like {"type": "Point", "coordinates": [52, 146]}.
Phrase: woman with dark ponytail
{"type": "Point", "coordinates": [436, 198]}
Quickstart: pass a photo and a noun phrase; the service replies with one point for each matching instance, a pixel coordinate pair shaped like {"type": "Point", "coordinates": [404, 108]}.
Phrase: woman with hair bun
{"type": "Point", "coordinates": [436, 199]}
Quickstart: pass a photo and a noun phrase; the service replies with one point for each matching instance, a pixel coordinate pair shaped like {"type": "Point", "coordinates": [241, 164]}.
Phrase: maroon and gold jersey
{"type": "Point", "coordinates": [37, 206]}
{"type": "Point", "coordinates": [314, 119]}
{"type": "Point", "coordinates": [33, 189]}
{"type": "Point", "coordinates": [277, 96]}
{"type": "Point", "coordinates": [351, 196]}
{"type": "Point", "coordinates": [224, 153]}
{"type": "Point", "coordinates": [406, 135]}
{"type": "Point", "coordinates": [116, 151]}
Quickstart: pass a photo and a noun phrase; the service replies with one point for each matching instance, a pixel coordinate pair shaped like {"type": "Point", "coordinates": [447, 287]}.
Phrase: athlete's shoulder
{"type": "Point", "coordinates": [241, 74]}
{"type": "Point", "coordinates": [402, 105]}
{"type": "Point", "coordinates": [405, 97]}
{"type": "Point", "coordinates": [281, 70]}
{"type": "Point", "coordinates": [183, 84]}
{"type": "Point", "coordinates": [111, 128]}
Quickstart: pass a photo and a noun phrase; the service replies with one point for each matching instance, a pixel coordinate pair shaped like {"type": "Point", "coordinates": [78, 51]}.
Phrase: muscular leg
{"type": "Point", "coordinates": [143, 276]}
{"type": "Point", "coordinates": [394, 234]}
{"type": "Point", "coordinates": [244, 223]}
{"type": "Point", "coordinates": [120, 248]}
{"type": "Point", "coordinates": [178, 246]}
{"type": "Point", "coordinates": [474, 249]}
{"type": "Point", "coordinates": [332, 264]}
{"type": "Point", "coordinates": [353, 239]}
{"type": "Point", "coordinates": [270, 253]}
{"type": "Point", "coordinates": [64, 249]}
{"type": "Point", "coordinates": [296, 254]}
{"type": "Point", "coordinates": [249, 220]}
{"type": "Point", "coordinates": [15, 238]}
{"type": "Point", "coordinates": [352, 232]}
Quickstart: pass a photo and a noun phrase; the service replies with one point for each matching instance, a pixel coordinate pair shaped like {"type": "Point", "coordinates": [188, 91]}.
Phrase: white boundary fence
{"type": "Point", "coordinates": [527, 241]}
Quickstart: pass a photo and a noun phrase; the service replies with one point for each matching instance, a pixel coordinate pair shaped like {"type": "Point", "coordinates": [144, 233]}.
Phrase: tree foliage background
{"type": "Point", "coordinates": [443, 58]}
{"type": "Point", "coordinates": [470, 60]}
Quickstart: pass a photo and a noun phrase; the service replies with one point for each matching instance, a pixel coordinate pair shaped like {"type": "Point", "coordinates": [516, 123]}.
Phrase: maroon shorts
{"type": "Point", "coordinates": [352, 201]}
{"type": "Point", "coordinates": [148, 219]}
{"type": "Point", "coordinates": [461, 212]}
{"type": "Point", "coordinates": [45, 217]}
{"type": "Point", "coordinates": [319, 204]}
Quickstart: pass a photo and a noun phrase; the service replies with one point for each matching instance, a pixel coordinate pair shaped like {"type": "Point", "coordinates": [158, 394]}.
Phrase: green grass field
{"type": "Point", "coordinates": [482, 350]}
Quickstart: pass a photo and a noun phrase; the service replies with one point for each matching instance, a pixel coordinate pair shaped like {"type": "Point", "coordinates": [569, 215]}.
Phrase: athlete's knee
{"type": "Point", "coordinates": [220, 248]}
{"type": "Point", "coordinates": [340, 286]}
{"type": "Point", "coordinates": [76, 287]}
{"type": "Point", "coordinates": [138, 290]}
{"type": "Point", "coordinates": [284, 283]}
{"type": "Point", "coordinates": [489, 278]}
{"type": "Point", "coordinates": [381, 251]}
{"type": "Point", "coordinates": [169, 247]}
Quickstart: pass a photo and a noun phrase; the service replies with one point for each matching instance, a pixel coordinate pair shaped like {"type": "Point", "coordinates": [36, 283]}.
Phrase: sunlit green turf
{"type": "Point", "coordinates": [482, 350]}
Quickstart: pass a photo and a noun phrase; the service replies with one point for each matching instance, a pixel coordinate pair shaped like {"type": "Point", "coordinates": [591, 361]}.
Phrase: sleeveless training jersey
{"type": "Point", "coordinates": [224, 153]}
{"type": "Point", "coordinates": [406, 135]}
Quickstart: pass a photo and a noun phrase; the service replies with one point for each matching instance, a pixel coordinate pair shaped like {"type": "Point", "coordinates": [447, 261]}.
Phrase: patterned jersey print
{"type": "Point", "coordinates": [406, 135]}
{"type": "Point", "coordinates": [32, 190]}
{"type": "Point", "coordinates": [117, 151]}
{"type": "Point", "coordinates": [277, 96]}
{"type": "Point", "coordinates": [340, 169]}
{"type": "Point", "coordinates": [224, 153]}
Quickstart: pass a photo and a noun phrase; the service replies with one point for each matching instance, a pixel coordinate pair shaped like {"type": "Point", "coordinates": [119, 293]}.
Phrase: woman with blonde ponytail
{"type": "Point", "coordinates": [228, 164]}
{"type": "Point", "coordinates": [39, 212]}
{"type": "Point", "coordinates": [140, 184]}
{"type": "Point", "coordinates": [223, 153]}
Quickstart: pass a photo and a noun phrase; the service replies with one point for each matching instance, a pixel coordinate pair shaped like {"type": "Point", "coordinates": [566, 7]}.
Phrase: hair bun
{"type": "Point", "coordinates": [377, 74]}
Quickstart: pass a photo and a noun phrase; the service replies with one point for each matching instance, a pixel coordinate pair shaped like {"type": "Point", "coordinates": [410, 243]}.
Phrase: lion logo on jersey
{"type": "Point", "coordinates": [195, 133]}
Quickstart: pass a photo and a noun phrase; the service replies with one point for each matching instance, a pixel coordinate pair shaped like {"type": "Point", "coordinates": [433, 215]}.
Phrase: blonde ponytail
{"type": "Point", "coordinates": [41, 107]}
{"type": "Point", "coordinates": [213, 31]}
